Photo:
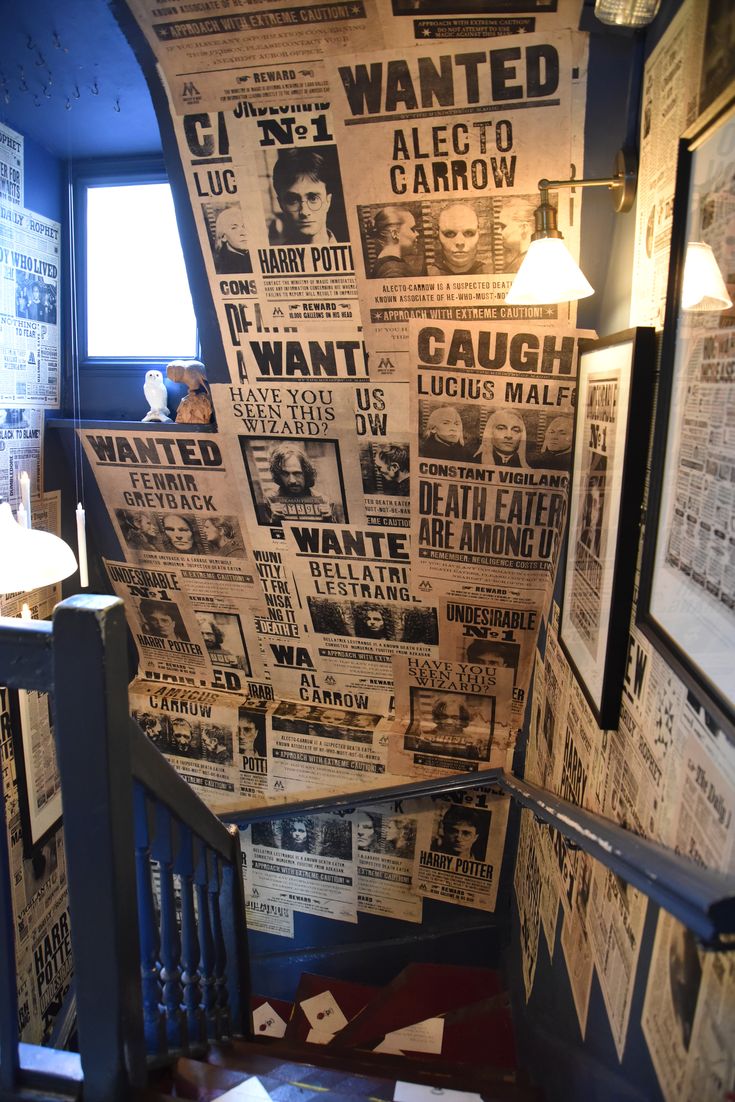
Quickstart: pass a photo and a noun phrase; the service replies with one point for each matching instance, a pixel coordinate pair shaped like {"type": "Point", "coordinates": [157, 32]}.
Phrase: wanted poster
{"type": "Point", "coordinates": [492, 413]}
{"type": "Point", "coordinates": [216, 53]}
{"type": "Point", "coordinates": [266, 192]}
{"type": "Point", "coordinates": [324, 749]}
{"type": "Point", "coordinates": [355, 586]}
{"type": "Point", "coordinates": [385, 848]}
{"type": "Point", "coordinates": [197, 731]}
{"type": "Point", "coordinates": [162, 621]}
{"type": "Point", "coordinates": [460, 850]}
{"type": "Point", "coordinates": [305, 863]}
{"type": "Point", "coordinates": [442, 151]}
{"type": "Point", "coordinates": [452, 717]}
{"type": "Point", "coordinates": [479, 629]}
{"type": "Point", "coordinates": [236, 658]}
{"type": "Point", "coordinates": [688, 1014]}
{"type": "Point", "coordinates": [29, 308]}
{"type": "Point", "coordinates": [173, 505]}
{"type": "Point", "coordinates": [298, 450]}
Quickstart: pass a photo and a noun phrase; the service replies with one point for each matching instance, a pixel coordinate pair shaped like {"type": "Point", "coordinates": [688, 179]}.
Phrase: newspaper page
{"type": "Point", "coordinates": [593, 521]}
{"type": "Point", "coordinates": [215, 53]}
{"type": "Point", "coordinates": [615, 934]}
{"type": "Point", "coordinates": [442, 151]}
{"type": "Point", "coordinates": [269, 917]}
{"type": "Point", "coordinates": [11, 167]}
{"type": "Point", "coordinates": [689, 1016]}
{"type": "Point", "coordinates": [381, 423]}
{"type": "Point", "coordinates": [670, 105]}
{"type": "Point", "coordinates": [38, 885]}
{"type": "Point", "coordinates": [450, 717]}
{"type": "Point", "coordinates": [492, 414]}
{"type": "Point", "coordinates": [21, 435]}
{"type": "Point", "coordinates": [703, 828]}
{"type": "Point", "coordinates": [527, 884]}
{"type": "Point", "coordinates": [576, 946]}
{"type": "Point", "coordinates": [324, 749]}
{"type": "Point", "coordinates": [266, 192]}
{"type": "Point", "coordinates": [306, 863]}
{"type": "Point", "coordinates": [29, 308]}
{"type": "Point", "coordinates": [385, 847]}
{"type": "Point", "coordinates": [197, 731]}
{"type": "Point", "coordinates": [355, 585]}
{"type": "Point", "coordinates": [459, 849]}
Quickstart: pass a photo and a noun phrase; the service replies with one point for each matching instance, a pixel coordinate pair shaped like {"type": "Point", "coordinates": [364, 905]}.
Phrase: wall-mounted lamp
{"type": "Point", "coordinates": [549, 273]}
{"type": "Point", "coordinates": [703, 288]}
{"type": "Point", "coordinates": [626, 13]}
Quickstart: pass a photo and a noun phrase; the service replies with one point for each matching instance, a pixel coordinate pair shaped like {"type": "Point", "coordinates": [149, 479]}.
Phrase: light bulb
{"type": "Point", "coordinates": [548, 274]}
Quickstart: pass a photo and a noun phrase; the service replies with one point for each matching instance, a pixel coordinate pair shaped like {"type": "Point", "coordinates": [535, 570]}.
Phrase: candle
{"type": "Point", "coordinates": [25, 612]}
{"type": "Point", "coordinates": [22, 516]}
{"type": "Point", "coordinates": [82, 546]}
{"type": "Point", "coordinates": [25, 496]}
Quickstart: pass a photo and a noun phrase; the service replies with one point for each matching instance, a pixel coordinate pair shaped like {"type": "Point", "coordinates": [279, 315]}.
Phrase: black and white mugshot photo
{"type": "Point", "coordinates": [494, 436]}
{"type": "Point", "coordinates": [181, 534]}
{"type": "Point", "coordinates": [303, 196]}
{"type": "Point", "coordinates": [460, 238]}
{"type": "Point", "coordinates": [385, 467]}
{"type": "Point", "coordinates": [448, 724]}
{"type": "Point", "coordinates": [227, 238]}
{"type": "Point", "coordinates": [374, 620]}
{"type": "Point", "coordinates": [224, 639]}
{"type": "Point", "coordinates": [294, 480]}
{"type": "Point", "coordinates": [185, 737]}
{"type": "Point", "coordinates": [393, 835]}
{"type": "Point", "coordinates": [461, 831]}
{"type": "Point", "coordinates": [162, 619]}
{"type": "Point", "coordinates": [325, 836]}
{"type": "Point", "coordinates": [392, 237]}
{"type": "Point", "coordinates": [493, 652]}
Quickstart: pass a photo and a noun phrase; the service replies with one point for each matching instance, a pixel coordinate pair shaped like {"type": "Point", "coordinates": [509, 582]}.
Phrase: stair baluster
{"type": "Point", "coordinates": [154, 1026]}
{"type": "Point", "coordinates": [220, 952]}
{"type": "Point", "coordinates": [192, 992]}
{"type": "Point", "coordinates": [163, 852]}
{"type": "Point", "coordinates": [206, 941]}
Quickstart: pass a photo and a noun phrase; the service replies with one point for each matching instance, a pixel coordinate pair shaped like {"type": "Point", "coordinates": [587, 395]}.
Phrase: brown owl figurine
{"type": "Point", "coordinates": [195, 408]}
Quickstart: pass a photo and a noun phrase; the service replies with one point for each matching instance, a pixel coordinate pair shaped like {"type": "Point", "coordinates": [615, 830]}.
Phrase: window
{"type": "Point", "coordinates": [133, 298]}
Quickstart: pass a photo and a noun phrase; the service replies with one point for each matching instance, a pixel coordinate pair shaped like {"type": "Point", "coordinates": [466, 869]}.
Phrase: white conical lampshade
{"type": "Point", "coordinates": [703, 287]}
{"type": "Point", "coordinates": [29, 558]}
{"type": "Point", "coordinates": [548, 273]}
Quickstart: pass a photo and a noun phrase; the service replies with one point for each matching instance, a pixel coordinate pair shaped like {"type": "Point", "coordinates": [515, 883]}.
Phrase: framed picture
{"type": "Point", "coordinates": [611, 433]}
{"type": "Point", "coordinates": [39, 786]}
{"type": "Point", "coordinates": [687, 595]}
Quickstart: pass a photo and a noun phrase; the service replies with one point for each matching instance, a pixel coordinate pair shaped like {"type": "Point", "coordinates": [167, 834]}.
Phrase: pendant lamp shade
{"type": "Point", "coordinates": [548, 274]}
{"type": "Point", "coordinates": [29, 558]}
{"type": "Point", "coordinates": [703, 287]}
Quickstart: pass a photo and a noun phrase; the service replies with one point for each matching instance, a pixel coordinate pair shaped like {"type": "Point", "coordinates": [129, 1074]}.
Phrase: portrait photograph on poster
{"type": "Point", "coordinates": [39, 785]}
{"type": "Point", "coordinates": [687, 595]}
{"type": "Point", "coordinates": [608, 471]}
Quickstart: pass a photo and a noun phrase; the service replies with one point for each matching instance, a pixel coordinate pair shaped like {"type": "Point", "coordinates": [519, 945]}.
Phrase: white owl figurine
{"type": "Point", "coordinates": [154, 389]}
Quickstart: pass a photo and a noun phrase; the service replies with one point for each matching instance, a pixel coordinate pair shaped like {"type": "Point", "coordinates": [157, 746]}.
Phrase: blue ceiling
{"type": "Point", "coordinates": [70, 81]}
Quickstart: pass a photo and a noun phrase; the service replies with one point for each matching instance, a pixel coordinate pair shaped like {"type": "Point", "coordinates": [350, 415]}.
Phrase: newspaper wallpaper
{"type": "Point", "coordinates": [343, 585]}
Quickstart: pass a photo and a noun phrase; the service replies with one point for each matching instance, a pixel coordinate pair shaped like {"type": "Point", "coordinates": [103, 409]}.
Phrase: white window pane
{"type": "Point", "coordinates": [138, 301]}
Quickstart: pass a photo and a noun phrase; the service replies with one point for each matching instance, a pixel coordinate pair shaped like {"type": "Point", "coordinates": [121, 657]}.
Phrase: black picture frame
{"type": "Point", "coordinates": [611, 433]}
{"type": "Point", "coordinates": [34, 749]}
{"type": "Point", "coordinates": [686, 603]}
